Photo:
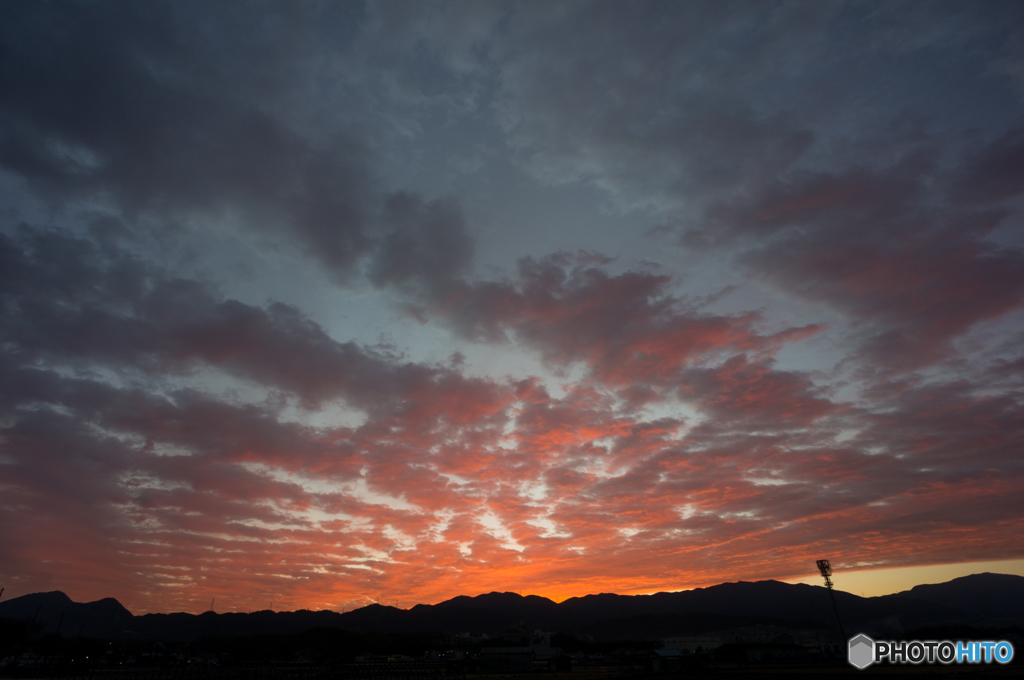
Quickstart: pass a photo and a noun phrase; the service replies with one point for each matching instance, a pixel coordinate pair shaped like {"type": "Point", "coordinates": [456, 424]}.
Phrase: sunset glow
{"type": "Point", "coordinates": [316, 304]}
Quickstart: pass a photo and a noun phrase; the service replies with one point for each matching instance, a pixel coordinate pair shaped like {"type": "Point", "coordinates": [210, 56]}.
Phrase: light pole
{"type": "Point", "coordinates": [826, 571]}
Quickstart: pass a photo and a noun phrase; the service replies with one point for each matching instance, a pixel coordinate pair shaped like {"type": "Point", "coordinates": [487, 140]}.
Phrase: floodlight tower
{"type": "Point", "coordinates": [826, 571]}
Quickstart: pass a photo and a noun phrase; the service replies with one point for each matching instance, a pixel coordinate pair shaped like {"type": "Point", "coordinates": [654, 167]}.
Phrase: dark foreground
{"type": "Point", "coordinates": [805, 671]}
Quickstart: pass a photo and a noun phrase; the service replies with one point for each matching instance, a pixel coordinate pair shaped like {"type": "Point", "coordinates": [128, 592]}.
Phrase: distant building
{"type": "Point", "coordinates": [760, 652]}
{"type": "Point", "coordinates": [506, 659]}
{"type": "Point", "coordinates": [690, 644]}
{"type": "Point", "coordinates": [538, 656]}
{"type": "Point", "coordinates": [666, 661]}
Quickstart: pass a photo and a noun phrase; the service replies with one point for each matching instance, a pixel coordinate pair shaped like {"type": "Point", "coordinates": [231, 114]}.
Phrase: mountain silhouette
{"type": "Point", "coordinates": [992, 596]}
{"type": "Point", "coordinates": [975, 600]}
{"type": "Point", "coordinates": [53, 610]}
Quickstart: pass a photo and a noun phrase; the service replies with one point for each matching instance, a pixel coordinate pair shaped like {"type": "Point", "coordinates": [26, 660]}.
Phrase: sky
{"type": "Point", "coordinates": [315, 304]}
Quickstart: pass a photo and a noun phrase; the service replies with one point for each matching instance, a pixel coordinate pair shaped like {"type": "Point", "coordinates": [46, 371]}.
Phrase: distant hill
{"type": "Point", "coordinates": [992, 596]}
{"type": "Point", "coordinates": [103, 618]}
{"type": "Point", "coordinates": [977, 600]}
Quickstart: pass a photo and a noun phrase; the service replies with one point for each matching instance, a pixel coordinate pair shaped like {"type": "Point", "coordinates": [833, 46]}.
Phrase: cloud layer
{"type": "Point", "coordinates": [807, 344]}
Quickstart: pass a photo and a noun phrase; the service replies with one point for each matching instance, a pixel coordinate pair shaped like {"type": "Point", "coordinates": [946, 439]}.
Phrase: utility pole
{"type": "Point", "coordinates": [826, 571]}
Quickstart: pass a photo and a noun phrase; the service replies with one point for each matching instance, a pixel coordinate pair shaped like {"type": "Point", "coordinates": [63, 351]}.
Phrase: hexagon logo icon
{"type": "Point", "coordinates": [861, 651]}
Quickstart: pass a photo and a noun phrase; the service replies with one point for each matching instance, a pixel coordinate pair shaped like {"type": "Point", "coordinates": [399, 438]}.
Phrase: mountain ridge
{"type": "Point", "coordinates": [976, 599]}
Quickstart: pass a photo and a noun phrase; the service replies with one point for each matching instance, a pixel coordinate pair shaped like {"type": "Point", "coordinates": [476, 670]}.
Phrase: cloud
{"type": "Point", "coordinates": [173, 113]}
{"type": "Point", "coordinates": [627, 328]}
{"type": "Point", "coordinates": [831, 185]}
{"type": "Point", "coordinates": [428, 244]}
{"type": "Point", "coordinates": [644, 106]}
{"type": "Point", "coordinates": [992, 174]}
{"type": "Point", "coordinates": [673, 108]}
{"type": "Point", "coordinates": [855, 392]}
{"type": "Point", "coordinates": [149, 117]}
{"type": "Point", "coordinates": [95, 339]}
{"type": "Point", "coordinates": [191, 489]}
{"type": "Point", "coordinates": [67, 301]}
{"type": "Point", "coordinates": [910, 269]}
{"type": "Point", "coordinates": [741, 390]}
